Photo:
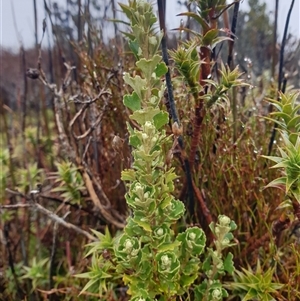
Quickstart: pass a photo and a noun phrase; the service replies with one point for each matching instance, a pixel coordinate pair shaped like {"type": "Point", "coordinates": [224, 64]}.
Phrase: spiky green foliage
{"type": "Point", "coordinates": [255, 285]}
{"type": "Point", "coordinates": [71, 185]}
{"type": "Point", "coordinates": [288, 119]}
{"type": "Point", "coordinates": [289, 161]}
{"type": "Point", "coordinates": [287, 116]}
{"type": "Point", "coordinates": [37, 272]}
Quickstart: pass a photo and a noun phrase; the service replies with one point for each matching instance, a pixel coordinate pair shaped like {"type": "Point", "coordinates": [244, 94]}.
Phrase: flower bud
{"type": "Point", "coordinates": [224, 220]}
{"type": "Point", "coordinates": [217, 294]}
{"type": "Point", "coordinates": [177, 131]}
{"type": "Point", "coordinates": [128, 246]}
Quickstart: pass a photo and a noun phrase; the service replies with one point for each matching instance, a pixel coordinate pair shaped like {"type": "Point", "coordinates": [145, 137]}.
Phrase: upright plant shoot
{"type": "Point", "coordinates": [154, 261]}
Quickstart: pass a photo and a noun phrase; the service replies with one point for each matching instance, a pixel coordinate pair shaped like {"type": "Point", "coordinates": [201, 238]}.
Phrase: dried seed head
{"type": "Point", "coordinates": [32, 73]}
{"type": "Point", "coordinates": [177, 131]}
{"type": "Point", "coordinates": [106, 254]}
{"type": "Point", "coordinates": [117, 143]}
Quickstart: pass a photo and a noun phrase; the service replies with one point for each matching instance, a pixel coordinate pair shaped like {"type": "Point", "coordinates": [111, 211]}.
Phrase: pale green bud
{"type": "Point", "coordinates": [225, 241]}
{"type": "Point", "coordinates": [166, 262]}
{"type": "Point", "coordinates": [128, 246]}
{"type": "Point", "coordinates": [145, 136]}
{"type": "Point", "coordinates": [149, 128]}
{"type": "Point", "coordinates": [216, 294]}
{"type": "Point", "coordinates": [148, 125]}
{"type": "Point", "coordinates": [192, 236]}
{"type": "Point", "coordinates": [224, 220]}
{"type": "Point", "coordinates": [153, 140]}
{"type": "Point", "coordinates": [160, 232]}
{"type": "Point", "coordinates": [134, 252]}
{"type": "Point", "coordinates": [139, 190]}
{"type": "Point", "coordinates": [152, 40]}
{"type": "Point", "coordinates": [153, 98]}
{"type": "Point", "coordinates": [189, 244]}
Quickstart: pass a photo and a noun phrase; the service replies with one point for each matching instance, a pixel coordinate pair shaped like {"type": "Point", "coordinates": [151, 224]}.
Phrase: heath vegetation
{"type": "Point", "coordinates": [140, 163]}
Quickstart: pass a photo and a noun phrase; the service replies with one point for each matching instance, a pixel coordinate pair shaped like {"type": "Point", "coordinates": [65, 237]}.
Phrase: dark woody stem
{"type": "Point", "coordinates": [171, 104]}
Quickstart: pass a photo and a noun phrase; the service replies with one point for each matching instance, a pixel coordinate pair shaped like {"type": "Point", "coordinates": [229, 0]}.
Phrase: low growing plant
{"type": "Point", "coordinates": [37, 272]}
{"type": "Point", "coordinates": [255, 285]}
{"type": "Point", "coordinates": [71, 185]}
{"type": "Point", "coordinates": [155, 262]}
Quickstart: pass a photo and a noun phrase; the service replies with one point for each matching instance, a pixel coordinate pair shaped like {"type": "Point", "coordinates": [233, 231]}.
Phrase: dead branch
{"type": "Point", "coordinates": [49, 214]}
{"type": "Point", "coordinates": [68, 151]}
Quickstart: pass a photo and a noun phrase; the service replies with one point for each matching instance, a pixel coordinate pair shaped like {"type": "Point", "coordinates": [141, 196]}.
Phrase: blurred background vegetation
{"type": "Point", "coordinates": [40, 254]}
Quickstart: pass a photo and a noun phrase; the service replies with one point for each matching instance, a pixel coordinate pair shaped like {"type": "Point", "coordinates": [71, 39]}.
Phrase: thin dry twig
{"type": "Point", "coordinates": [62, 222]}
{"type": "Point", "coordinates": [49, 214]}
{"type": "Point", "coordinates": [82, 110]}
{"type": "Point", "coordinates": [68, 150]}
{"type": "Point", "coordinates": [90, 187]}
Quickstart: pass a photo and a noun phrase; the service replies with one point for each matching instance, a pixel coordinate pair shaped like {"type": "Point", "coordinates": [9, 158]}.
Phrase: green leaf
{"type": "Point", "coordinates": [145, 270]}
{"type": "Point", "coordinates": [127, 10]}
{"type": "Point", "coordinates": [161, 69]}
{"type": "Point", "coordinates": [177, 210]}
{"type": "Point", "coordinates": [228, 263]}
{"type": "Point", "coordinates": [120, 21]}
{"type": "Point", "coordinates": [287, 108]}
{"type": "Point", "coordinates": [169, 246]}
{"type": "Point", "coordinates": [143, 224]}
{"type": "Point", "coordinates": [168, 265]}
{"type": "Point", "coordinates": [133, 229]}
{"type": "Point", "coordinates": [252, 294]}
{"type": "Point", "coordinates": [148, 66]}
{"type": "Point", "coordinates": [141, 116]}
{"type": "Point", "coordinates": [218, 40]}
{"type": "Point", "coordinates": [206, 265]}
{"type": "Point", "coordinates": [170, 175]}
{"type": "Point", "coordinates": [132, 101]}
{"type": "Point", "coordinates": [273, 158]}
{"type": "Point", "coordinates": [278, 183]}
{"type": "Point", "coordinates": [276, 104]}
{"type": "Point", "coordinates": [134, 141]}
{"type": "Point", "coordinates": [294, 123]}
{"type": "Point", "coordinates": [161, 119]}
{"type": "Point", "coordinates": [88, 285]}
{"type": "Point", "coordinates": [128, 175]}
{"type": "Point", "coordinates": [188, 280]}
{"type": "Point", "coordinates": [137, 83]}
{"type": "Point", "coordinates": [290, 182]}
{"type": "Point", "coordinates": [197, 18]}
{"type": "Point", "coordinates": [295, 109]}
{"type": "Point", "coordinates": [282, 115]}
{"type": "Point", "coordinates": [233, 225]}
{"type": "Point", "coordinates": [134, 46]}
{"type": "Point", "coordinates": [285, 204]}
{"type": "Point", "coordinates": [294, 136]}
{"type": "Point", "coordinates": [193, 240]}
{"type": "Point", "coordinates": [130, 36]}
{"type": "Point", "coordinates": [210, 36]}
